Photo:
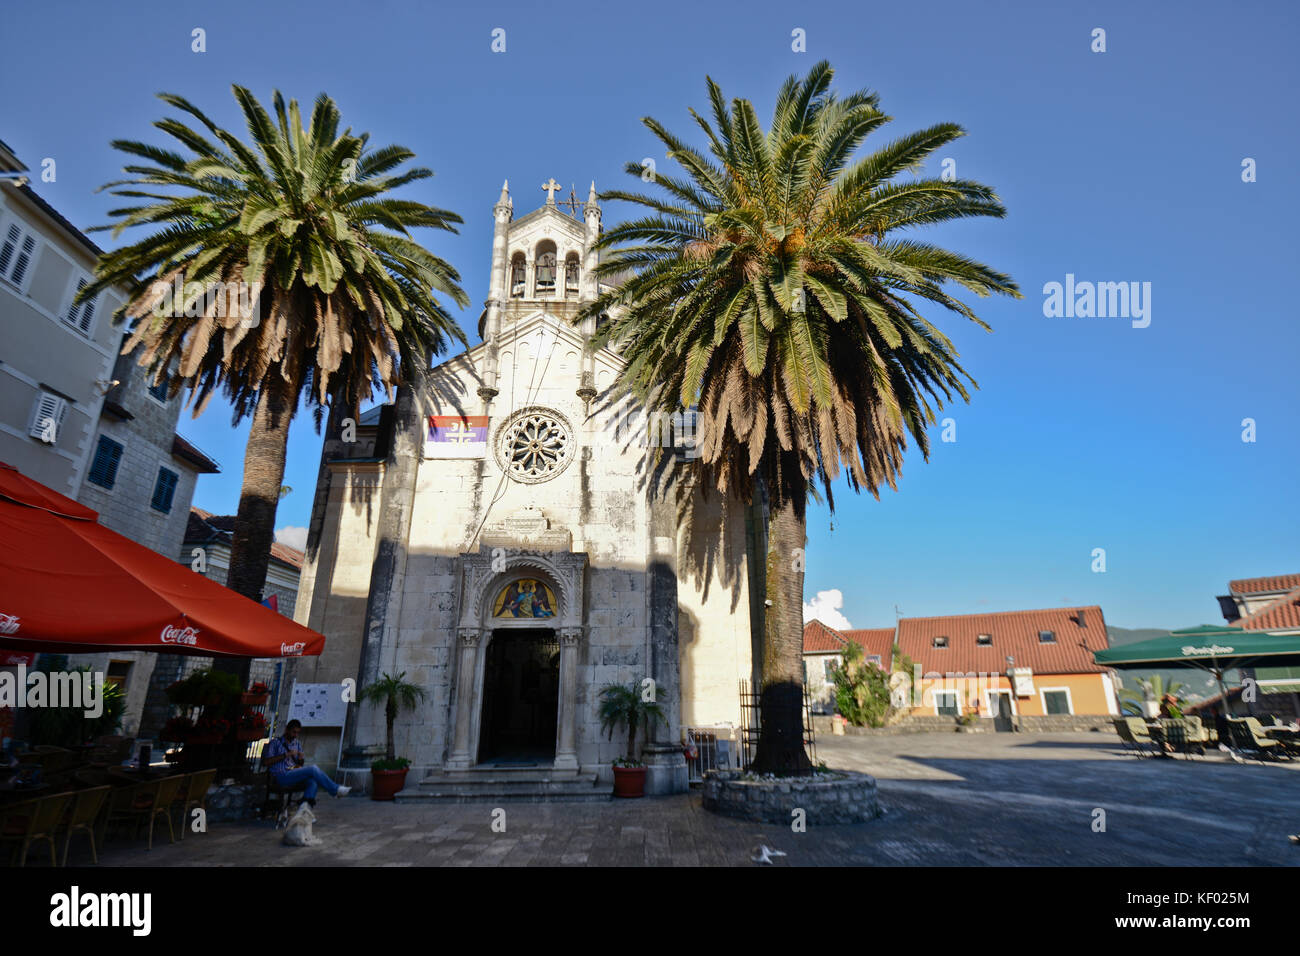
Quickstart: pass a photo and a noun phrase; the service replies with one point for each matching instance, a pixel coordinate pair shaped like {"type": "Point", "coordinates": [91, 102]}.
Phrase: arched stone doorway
{"type": "Point", "coordinates": [520, 637]}
{"type": "Point", "coordinates": [519, 715]}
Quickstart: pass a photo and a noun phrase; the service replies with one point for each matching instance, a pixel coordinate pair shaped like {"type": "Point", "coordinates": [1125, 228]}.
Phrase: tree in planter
{"type": "Point", "coordinates": [861, 689]}
{"type": "Point", "coordinates": [624, 705]}
{"type": "Point", "coordinates": [1150, 692]}
{"type": "Point", "coordinates": [767, 289]}
{"type": "Point", "coordinates": [69, 726]}
{"type": "Point", "coordinates": [299, 224]}
{"type": "Point", "coordinates": [396, 694]}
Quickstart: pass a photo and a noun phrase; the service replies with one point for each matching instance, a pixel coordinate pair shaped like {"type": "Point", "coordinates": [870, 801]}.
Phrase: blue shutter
{"type": "Point", "coordinates": [103, 471]}
{"type": "Point", "coordinates": [164, 490]}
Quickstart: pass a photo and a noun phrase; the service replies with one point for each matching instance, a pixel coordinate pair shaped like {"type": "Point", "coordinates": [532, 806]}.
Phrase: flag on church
{"type": "Point", "coordinates": [457, 436]}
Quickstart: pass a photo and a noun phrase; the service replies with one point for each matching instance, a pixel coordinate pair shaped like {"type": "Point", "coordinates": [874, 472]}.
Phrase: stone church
{"type": "Point", "coordinates": [539, 559]}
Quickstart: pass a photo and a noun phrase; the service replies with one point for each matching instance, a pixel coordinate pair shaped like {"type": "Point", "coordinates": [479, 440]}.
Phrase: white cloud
{"type": "Point", "coordinates": [293, 537]}
{"type": "Point", "coordinates": [825, 607]}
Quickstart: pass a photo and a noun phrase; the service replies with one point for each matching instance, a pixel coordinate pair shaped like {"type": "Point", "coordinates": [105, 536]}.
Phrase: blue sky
{"type": "Point", "coordinates": [1117, 166]}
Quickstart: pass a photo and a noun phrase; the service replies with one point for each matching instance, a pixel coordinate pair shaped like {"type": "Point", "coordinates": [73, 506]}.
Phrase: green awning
{"type": "Point", "coordinates": [1278, 680]}
{"type": "Point", "coordinates": [1208, 647]}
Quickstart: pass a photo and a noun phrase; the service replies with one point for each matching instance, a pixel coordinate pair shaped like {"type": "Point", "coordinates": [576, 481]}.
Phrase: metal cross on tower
{"type": "Point", "coordinates": [575, 208]}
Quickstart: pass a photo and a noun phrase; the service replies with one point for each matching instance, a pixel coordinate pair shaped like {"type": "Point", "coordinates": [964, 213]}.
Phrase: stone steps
{"type": "Point", "coordinates": [505, 784]}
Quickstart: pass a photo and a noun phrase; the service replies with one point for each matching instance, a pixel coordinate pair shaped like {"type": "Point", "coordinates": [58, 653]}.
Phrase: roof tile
{"type": "Point", "coordinates": [1278, 582]}
{"type": "Point", "coordinates": [1013, 633]}
{"type": "Point", "coordinates": [1277, 615]}
{"type": "Point", "coordinates": [819, 637]}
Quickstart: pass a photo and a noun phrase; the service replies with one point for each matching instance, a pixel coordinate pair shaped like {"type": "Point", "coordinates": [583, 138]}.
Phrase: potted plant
{"type": "Point", "coordinates": [209, 731]}
{"type": "Point", "coordinates": [252, 725]}
{"type": "Point", "coordinates": [624, 705]}
{"type": "Point", "coordinates": [177, 729]}
{"type": "Point", "coordinates": [256, 695]}
{"type": "Point", "coordinates": [968, 723]}
{"type": "Point", "coordinates": [387, 776]}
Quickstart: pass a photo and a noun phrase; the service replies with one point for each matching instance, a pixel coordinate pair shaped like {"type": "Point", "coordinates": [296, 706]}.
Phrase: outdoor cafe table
{"type": "Point", "coordinates": [9, 794]}
{"type": "Point", "coordinates": [129, 776]}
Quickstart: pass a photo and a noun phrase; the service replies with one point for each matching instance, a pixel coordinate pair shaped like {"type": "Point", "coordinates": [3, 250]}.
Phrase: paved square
{"type": "Point", "coordinates": [950, 799]}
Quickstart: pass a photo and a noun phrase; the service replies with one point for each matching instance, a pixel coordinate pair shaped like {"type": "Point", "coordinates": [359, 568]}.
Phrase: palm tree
{"type": "Point", "coordinates": [396, 693]}
{"type": "Point", "coordinates": [767, 288]}
{"type": "Point", "coordinates": [301, 221]}
{"type": "Point", "coordinates": [624, 705]}
{"type": "Point", "coordinates": [1150, 691]}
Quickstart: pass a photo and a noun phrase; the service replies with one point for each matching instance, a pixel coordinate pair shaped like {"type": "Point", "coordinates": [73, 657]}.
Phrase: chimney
{"type": "Point", "coordinates": [1079, 618]}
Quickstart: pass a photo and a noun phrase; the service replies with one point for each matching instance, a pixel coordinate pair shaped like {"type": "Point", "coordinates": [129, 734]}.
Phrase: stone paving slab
{"type": "Point", "coordinates": [948, 799]}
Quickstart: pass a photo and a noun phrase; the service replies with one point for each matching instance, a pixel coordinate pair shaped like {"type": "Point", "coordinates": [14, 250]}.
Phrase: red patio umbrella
{"type": "Point", "coordinates": [70, 585]}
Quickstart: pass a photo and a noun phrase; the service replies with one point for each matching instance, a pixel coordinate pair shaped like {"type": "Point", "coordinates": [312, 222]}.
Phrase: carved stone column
{"type": "Point", "coordinates": [466, 674]}
{"type": "Point", "coordinates": [566, 748]}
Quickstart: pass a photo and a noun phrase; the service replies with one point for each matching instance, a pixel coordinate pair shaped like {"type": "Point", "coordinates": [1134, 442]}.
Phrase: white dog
{"type": "Point", "coordinates": [299, 832]}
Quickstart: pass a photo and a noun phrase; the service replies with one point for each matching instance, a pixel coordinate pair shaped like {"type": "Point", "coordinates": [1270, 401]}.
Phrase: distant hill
{"type": "Point", "coordinates": [1129, 635]}
{"type": "Point", "coordinates": [1200, 683]}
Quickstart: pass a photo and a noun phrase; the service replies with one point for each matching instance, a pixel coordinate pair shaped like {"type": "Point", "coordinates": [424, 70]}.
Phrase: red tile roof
{"type": "Point", "coordinates": [290, 556]}
{"type": "Point", "coordinates": [205, 527]}
{"type": "Point", "coordinates": [1276, 615]}
{"type": "Point", "coordinates": [875, 640]}
{"type": "Point", "coordinates": [819, 638]}
{"type": "Point", "coordinates": [1014, 633]}
{"type": "Point", "coordinates": [1280, 582]}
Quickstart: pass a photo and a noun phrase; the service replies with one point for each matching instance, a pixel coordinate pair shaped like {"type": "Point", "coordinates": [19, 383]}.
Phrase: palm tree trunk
{"type": "Point", "coordinates": [250, 551]}
{"type": "Point", "coordinates": [780, 743]}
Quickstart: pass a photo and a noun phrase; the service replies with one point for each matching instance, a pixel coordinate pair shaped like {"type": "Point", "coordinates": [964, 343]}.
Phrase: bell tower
{"type": "Point", "coordinates": [544, 261]}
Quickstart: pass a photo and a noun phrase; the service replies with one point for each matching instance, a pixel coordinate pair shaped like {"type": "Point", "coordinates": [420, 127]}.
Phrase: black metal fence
{"type": "Point", "coordinates": [751, 724]}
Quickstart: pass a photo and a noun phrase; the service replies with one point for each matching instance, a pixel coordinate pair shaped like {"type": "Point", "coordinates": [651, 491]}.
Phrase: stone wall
{"type": "Point", "coordinates": [1056, 723]}
{"type": "Point", "coordinates": [833, 799]}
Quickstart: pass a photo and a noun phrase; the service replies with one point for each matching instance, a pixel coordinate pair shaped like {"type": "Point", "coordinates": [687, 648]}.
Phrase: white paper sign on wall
{"type": "Point", "coordinates": [317, 705]}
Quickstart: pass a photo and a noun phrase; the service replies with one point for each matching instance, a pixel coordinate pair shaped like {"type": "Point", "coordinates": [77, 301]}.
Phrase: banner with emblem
{"type": "Point", "coordinates": [456, 436]}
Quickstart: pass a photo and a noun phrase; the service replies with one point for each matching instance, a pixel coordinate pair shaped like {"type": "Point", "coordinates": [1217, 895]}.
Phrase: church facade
{"type": "Point", "coordinates": [537, 559]}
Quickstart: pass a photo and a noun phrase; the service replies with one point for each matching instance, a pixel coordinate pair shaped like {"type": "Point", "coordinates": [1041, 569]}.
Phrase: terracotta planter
{"type": "Point", "coordinates": [629, 781]}
{"type": "Point", "coordinates": [385, 783]}
{"type": "Point", "coordinates": [254, 700]}
{"type": "Point", "coordinates": [203, 740]}
{"type": "Point", "coordinates": [248, 736]}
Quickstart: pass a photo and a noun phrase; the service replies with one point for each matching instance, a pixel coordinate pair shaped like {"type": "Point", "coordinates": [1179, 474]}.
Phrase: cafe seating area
{"type": "Point", "coordinates": [55, 798]}
{"type": "Point", "coordinates": [1189, 737]}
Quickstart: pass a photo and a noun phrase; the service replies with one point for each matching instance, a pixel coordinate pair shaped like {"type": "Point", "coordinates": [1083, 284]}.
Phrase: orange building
{"type": "Point", "coordinates": [1008, 664]}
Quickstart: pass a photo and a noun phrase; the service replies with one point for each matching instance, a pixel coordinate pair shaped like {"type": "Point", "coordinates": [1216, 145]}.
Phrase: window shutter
{"type": "Point", "coordinates": [87, 316]}
{"type": "Point", "coordinates": [47, 408]}
{"type": "Point", "coordinates": [82, 316]}
{"type": "Point", "coordinates": [164, 490]}
{"type": "Point", "coordinates": [7, 250]}
{"type": "Point", "coordinates": [103, 471]}
{"type": "Point", "coordinates": [24, 260]}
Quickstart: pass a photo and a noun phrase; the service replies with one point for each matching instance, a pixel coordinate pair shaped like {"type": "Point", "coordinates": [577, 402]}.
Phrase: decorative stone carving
{"type": "Point", "coordinates": [535, 444]}
{"type": "Point", "coordinates": [486, 571]}
{"type": "Point", "coordinates": [571, 636]}
{"type": "Point", "coordinates": [527, 529]}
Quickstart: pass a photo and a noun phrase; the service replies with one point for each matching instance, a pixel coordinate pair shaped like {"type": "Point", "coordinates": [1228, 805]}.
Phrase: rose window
{"type": "Point", "coordinates": [534, 445]}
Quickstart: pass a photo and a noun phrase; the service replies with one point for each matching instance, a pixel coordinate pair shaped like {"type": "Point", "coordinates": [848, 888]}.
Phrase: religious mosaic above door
{"type": "Point", "coordinates": [526, 597]}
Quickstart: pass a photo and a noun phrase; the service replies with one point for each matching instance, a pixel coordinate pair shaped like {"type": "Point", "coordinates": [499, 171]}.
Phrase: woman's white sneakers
{"type": "Point", "coordinates": [342, 791]}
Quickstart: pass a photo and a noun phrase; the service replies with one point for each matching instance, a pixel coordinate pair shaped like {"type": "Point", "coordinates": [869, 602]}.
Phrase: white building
{"type": "Point", "coordinates": [74, 414]}
{"type": "Point", "coordinates": [535, 566]}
